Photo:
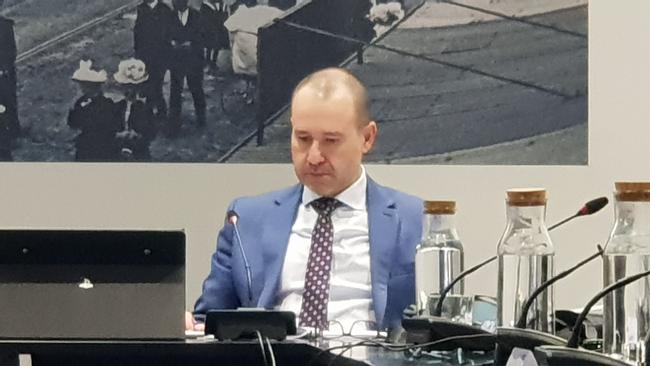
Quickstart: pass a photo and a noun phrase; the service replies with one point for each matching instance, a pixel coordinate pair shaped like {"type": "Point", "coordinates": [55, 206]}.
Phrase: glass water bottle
{"type": "Point", "coordinates": [626, 311]}
{"type": "Point", "coordinates": [439, 257]}
{"type": "Point", "coordinates": [525, 261]}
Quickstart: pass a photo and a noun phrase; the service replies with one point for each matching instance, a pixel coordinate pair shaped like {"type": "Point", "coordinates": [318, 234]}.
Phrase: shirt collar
{"type": "Point", "coordinates": [354, 196]}
{"type": "Point", "coordinates": [153, 4]}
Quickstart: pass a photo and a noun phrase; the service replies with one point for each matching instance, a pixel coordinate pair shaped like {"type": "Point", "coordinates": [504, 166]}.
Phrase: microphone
{"type": "Point", "coordinates": [575, 335]}
{"type": "Point", "coordinates": [248, 323]}
{"type": "Point", "coordinates": [519, 337]}
{"type": "Point", "coordinates": [232, 219]}
{"type": "Point", "coordinates": [589, 208]}
{"type": "Point", "coordinates": [570, 354]}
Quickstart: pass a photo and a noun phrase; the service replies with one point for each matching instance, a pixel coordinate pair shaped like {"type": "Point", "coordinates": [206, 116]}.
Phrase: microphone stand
{"type": "Point", "coordinates": [247, 267]}
{"type": "Point", "coordinates": [564, 221]}
{"type": "Point", "coordinates": [570, 354]}
{"type": "Point", "coordinates": [246, 323]}
{"type": "Point", "coordinates": [509, 338]}
{"type": "Point", "coordinates": [521, 323]}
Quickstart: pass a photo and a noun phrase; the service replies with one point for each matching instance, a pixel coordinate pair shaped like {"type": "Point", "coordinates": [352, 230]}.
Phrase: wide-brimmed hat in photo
{"type": "Point", "coordinates": [131, 71]}
{"type": "Point", "coordinates": [85, 74]}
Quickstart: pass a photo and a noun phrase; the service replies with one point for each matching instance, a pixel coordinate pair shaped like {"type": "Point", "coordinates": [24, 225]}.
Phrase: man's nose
{"type": "Point", "coordinates": [314, 155]}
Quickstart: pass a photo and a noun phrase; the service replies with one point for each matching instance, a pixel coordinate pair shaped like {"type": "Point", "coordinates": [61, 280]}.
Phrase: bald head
{"type": "Point", "coordinates": [333, 83]}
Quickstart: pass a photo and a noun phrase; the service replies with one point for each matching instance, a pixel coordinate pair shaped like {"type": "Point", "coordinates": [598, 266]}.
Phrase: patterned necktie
{"type": "Point", "coordinates": [313, 312]}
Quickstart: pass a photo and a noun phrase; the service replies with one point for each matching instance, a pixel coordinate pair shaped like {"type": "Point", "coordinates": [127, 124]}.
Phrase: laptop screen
{"type": "Point", "coordinates": [80, 284]}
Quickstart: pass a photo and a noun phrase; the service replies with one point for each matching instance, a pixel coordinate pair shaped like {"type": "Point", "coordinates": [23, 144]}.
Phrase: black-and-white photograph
{"type": "Point", "coordinates": [476, 82]}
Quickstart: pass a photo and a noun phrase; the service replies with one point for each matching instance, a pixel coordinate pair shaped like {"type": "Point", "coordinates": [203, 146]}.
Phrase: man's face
{"type": "Point", "coordinates": [328, 141]}
{"type": "Point", "coordinates": [180, 5]}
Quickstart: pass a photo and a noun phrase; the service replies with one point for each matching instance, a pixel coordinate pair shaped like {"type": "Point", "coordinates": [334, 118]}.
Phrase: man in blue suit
{"type": "Point", "coordinates": [336, 247]}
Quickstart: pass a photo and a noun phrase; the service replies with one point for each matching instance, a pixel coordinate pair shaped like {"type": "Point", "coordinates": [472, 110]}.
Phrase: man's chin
{"type": "Point", "coordinates": [321, 185]}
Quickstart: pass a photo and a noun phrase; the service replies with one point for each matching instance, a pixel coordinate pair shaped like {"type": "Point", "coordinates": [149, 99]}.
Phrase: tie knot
{"type": "Point", "coordinates": [325, 205]}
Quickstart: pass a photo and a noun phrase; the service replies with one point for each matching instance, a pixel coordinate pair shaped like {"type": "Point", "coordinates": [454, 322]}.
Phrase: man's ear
{"type": "Point", "coordinates": [369, 136]}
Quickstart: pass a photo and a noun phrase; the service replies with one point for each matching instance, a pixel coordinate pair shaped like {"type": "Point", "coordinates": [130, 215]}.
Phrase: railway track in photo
{"type": "Point", "coordinates": [26, 55]}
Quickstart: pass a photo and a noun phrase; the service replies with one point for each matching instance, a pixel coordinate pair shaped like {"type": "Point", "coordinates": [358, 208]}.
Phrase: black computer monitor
{"type": "Point", "coordinates": [83, 284]}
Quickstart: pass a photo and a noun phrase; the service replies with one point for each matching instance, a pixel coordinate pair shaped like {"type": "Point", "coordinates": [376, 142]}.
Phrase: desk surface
{"type": "Point", "coordinates": [209, 352]}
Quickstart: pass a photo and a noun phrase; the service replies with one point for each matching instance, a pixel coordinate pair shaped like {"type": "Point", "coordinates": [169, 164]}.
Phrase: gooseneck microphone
{"type": "Point", "coordinates": [248, 322]}
{"type": "Point", "coordinates": [589, 208]}
{"type": "Point", "coordinates": [232, 219]}
{"type": "Point", "coordinates": [521, 323]}
{"type": "Point", "coordinates": [520, 337]}
{"type": "Point", "coordinates": [575, 335]}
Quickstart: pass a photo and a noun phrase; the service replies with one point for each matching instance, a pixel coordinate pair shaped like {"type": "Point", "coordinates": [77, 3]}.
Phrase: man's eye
{"type": "Point", "coordinates": [331, 140]}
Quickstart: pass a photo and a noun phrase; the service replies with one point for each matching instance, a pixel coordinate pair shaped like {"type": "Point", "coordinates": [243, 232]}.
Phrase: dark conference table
{"type": "Point", "coordinates": [198, 352]}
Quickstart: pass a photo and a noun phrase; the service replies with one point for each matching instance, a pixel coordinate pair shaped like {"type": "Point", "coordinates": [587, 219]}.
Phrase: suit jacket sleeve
{"type": "Point", "coordinates": [401, 284]}
{"type": "Point", "coordinates": [218, 288]}
{"type": "Point", "coordinates": [75, 116]}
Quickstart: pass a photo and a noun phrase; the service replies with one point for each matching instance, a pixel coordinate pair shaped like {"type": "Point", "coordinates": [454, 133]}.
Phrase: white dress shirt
{"type": "Point", "coordinates": [210, 5]}
{"type": "Point", "coordinates": [183, 15]}
{"type": "Point", "coordinates": [350, 286]}
{"type": "Point", "coordinates": [153, 4]}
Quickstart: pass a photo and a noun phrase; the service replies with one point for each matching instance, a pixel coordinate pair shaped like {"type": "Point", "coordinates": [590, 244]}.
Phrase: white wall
{"type": "Point", "coordinates": [195, 196]}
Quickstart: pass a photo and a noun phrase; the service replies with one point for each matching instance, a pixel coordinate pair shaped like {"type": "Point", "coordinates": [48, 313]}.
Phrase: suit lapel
{"type": "Point", "coordinates": [275, 237]}
{"type": "Point", "coordinates": [382, 230]}
{"type": "Point", "coordinates": [383, 233]}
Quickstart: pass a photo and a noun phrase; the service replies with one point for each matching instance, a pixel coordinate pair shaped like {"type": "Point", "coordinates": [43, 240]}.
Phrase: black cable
{"type": "Point", "coordinates": [505, 79]}
{"type": "Point", "coordinates": [443, 340]}
{"type": "Point", "coordinates": [385, 344]}
{"type": "Point", "coordinates": [347, 348]}
{"type": "Point", "coordinates": [516, 19]}
{"type": "Point", "coordinates": [259, 338]}
{"type": "Point", "coordinates": [398, 348]}
{"type": "Point", "coordinates": [271, 353]}
{"type": "Point", "coordinates": [407, 347]}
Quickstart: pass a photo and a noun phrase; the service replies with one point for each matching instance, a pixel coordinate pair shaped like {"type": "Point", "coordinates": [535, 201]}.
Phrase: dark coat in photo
{"type": "Point", "coordinates": [5, 136]}
{"type": "Point", "coordinates": [139, 126]}
{"type": "Point", "coordinates": [216, 35]}
{"type": "Point", "coordinates": [98, 119]}
{"type": "Point", "coordinates": [151, 45]}
{"type": "Point", "coordinates": [187, 43]}
{"type": "Point", "coordinates": [8, 76]}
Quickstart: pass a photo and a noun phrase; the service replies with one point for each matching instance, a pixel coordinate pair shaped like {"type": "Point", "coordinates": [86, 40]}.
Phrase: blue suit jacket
{"type": "Point", "coordinates": [395, 228]}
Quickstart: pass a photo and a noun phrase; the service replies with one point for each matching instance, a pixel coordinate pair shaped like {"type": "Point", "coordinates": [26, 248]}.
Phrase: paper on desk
{"type": "Point", "coordinates": [194, 333]}
{"type": "Point", "coordinates": [521, 357]}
